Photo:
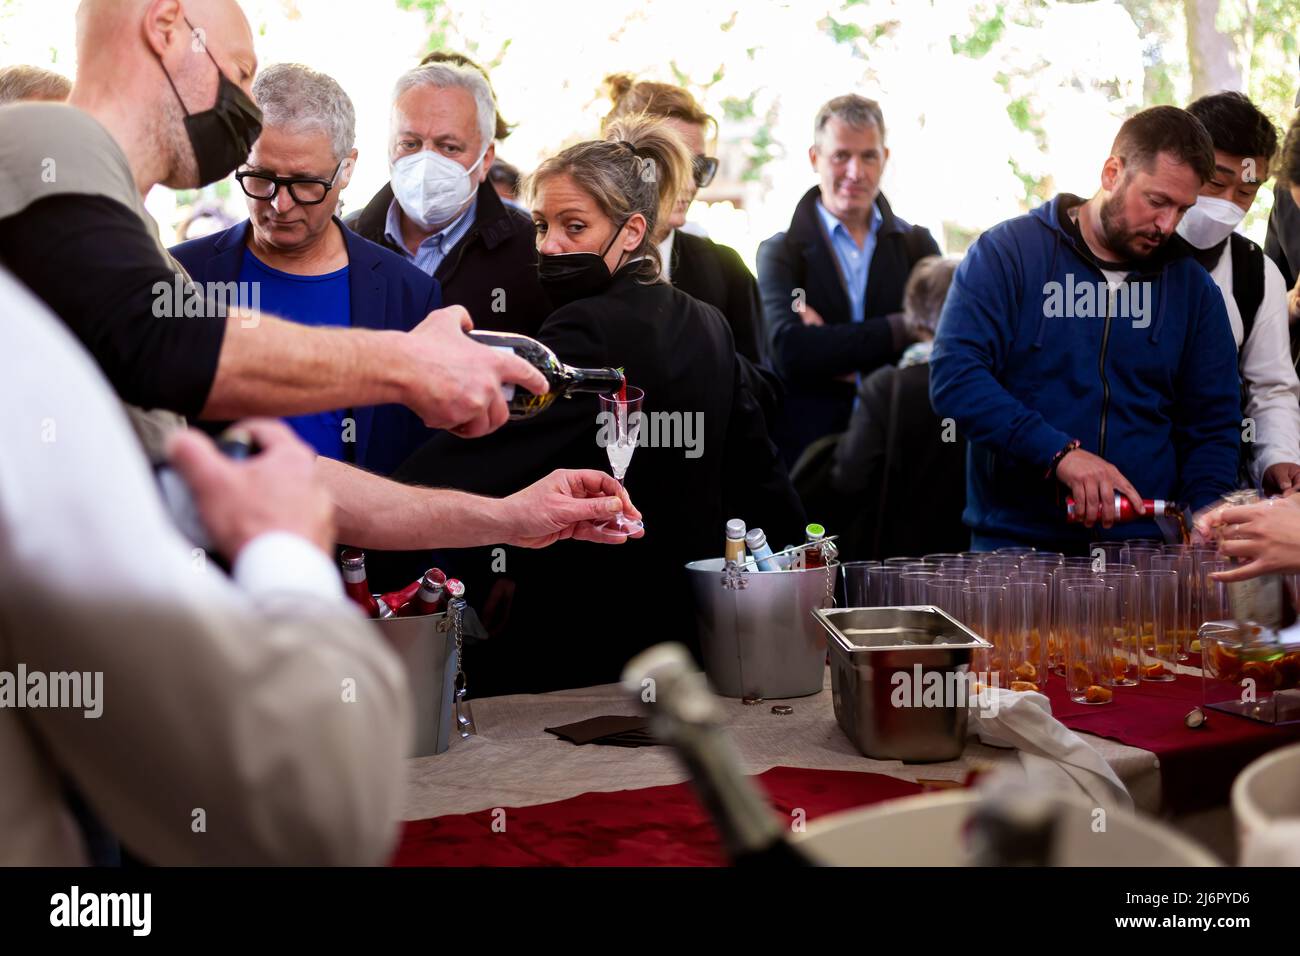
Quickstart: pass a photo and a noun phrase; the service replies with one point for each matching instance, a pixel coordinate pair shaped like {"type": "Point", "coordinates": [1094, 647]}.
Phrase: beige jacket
{"type": "Point", "coordinates": [239, 724]}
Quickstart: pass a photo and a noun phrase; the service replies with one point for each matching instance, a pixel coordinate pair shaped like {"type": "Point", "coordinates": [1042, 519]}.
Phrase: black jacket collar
{"type": "Point", "coordinates": [806, 227]}
{"type": "Point", "coordinates": [492, 220]}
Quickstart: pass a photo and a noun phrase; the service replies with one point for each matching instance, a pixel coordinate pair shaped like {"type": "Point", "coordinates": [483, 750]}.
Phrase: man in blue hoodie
{"type": "Point", "coordinates": [1083, 357]}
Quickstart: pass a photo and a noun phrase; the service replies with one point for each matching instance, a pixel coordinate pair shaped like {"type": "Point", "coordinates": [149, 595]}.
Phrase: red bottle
{"type": "Point", "coordinates": [355, 583]}
{"type": "Point", "coordinates": [455, 589]}
{"type": "Point", "coordinates": [392, 603]}
{"type": "Point", "coordinates": [431, 596]}
{"type": "Point", "coordinates": [1156, 507]}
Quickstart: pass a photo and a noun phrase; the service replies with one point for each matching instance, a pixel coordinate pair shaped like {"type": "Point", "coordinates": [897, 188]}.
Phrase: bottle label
{"type": "Point", "coordinates": [507, 388]}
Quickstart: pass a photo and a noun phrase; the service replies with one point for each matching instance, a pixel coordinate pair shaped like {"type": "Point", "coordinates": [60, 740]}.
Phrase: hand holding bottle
{"type": "Point", "coordinates": [1093, 482]}
{"type": "Point", "coordinates": [455, 383]}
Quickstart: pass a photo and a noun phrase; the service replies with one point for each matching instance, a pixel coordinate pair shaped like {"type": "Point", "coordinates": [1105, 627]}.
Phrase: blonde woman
{"type": "Point", "coordinates": [698, 266]}
{"type": "Point", "coordinates": [578, 615]}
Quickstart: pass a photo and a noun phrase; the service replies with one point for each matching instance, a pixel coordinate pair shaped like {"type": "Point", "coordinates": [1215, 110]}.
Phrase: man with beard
{"type": "Point", "coordinates": [1082, 356]}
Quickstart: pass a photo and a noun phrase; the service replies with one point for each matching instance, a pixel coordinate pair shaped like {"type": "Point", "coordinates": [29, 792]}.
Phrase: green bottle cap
{"type": "Point", "coordinates": [815, 532]}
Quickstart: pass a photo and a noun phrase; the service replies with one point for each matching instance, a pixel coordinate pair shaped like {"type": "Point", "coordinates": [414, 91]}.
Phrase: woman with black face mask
{"type": "Point", "coordinates": [572, 616]}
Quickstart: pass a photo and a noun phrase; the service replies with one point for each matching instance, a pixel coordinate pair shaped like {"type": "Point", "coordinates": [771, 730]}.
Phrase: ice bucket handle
{"type": "Point", "coordinates": [733, 577]}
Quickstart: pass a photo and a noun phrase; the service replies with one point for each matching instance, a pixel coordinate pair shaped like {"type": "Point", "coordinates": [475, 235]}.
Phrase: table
{"type": "Point", "coordinates": [513, 762]}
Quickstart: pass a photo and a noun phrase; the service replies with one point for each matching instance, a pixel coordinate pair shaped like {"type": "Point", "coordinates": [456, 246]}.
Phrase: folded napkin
{"type": "Point", "coordinates": [612, 731]}
{"type": "Point", "coordinates": [1053, 756]}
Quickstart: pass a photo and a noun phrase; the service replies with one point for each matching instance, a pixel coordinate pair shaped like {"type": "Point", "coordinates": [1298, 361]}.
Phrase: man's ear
{"type": "Point", "coordinates": [163, 25]}
{"type": "Point", "coordinates": [486, 167]}
{"type": "Point", "coordinates": [812, 156]}
{"type": "Point", "coordinates": [349, 166]}
{"type": "Point", "coordinates": [1111, 172]}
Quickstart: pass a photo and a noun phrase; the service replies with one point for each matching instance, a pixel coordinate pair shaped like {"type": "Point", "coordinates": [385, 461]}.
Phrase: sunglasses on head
{"type": "Point", "coordinates": [704, 168]}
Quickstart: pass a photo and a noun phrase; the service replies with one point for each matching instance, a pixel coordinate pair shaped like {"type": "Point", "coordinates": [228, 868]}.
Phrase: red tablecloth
{"type": "Point", "coordinates": [655, 826]}
{"type": "Point", "coordinates": [1197, 767]}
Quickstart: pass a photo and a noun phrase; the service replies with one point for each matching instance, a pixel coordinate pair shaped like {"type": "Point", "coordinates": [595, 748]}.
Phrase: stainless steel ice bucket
{"type": "Point", "coordinates": [757, 634]}
{"type": "Point", "coordinates": [427, 647]}
{"type": "Point", "coordinates": [889, 717]}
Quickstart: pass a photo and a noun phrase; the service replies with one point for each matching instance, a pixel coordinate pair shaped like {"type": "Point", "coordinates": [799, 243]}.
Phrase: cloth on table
{"type": "Point", "coordinates": [1053, 756]}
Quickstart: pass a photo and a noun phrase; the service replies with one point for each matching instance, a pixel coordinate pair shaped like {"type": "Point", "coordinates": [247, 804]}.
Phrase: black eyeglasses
{"type": "Point", "coordinates": [704, 169]}
{"type": "Point", "coordinates": [305, 191]}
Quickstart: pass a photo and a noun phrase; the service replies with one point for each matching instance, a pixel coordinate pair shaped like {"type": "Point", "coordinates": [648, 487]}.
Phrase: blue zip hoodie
{"type": "Point", "coordinates": [1153, 388]}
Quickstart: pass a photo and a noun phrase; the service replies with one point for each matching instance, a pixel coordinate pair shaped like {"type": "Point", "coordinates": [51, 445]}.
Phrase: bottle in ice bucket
{"type": "Point", "coordinates": [761, 551]}
{"type": "Point", "coordinates": [355, 583]}
{"type": "Point", "coordinates": [431, 596]}
{"type": "Point", "coordinates": [813, 557]}
{"type": "Point", "coordinates": [735, 547]}
{"type": "Point", "coordinates": [565, 380]}
{"type": "Point", "coordinates": [393, 602]}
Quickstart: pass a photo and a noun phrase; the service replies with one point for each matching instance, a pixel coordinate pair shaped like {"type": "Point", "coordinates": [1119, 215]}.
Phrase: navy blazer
{"type": "Point", "coordinates": [386, 291]}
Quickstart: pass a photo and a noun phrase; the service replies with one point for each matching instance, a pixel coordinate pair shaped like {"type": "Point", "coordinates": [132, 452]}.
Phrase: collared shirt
{"type": "Point", "coordinates": [666, 256]}
{"type": "Point", "coordinates": [434, 249]}
{"type": "Point", "coordinates": [854, 260]}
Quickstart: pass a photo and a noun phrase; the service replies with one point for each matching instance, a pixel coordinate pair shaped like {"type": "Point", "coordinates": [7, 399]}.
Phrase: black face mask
{"type": "Point", "coordinates": [570, 276]}
{"type": "Point", "coordinates": [221, 137]}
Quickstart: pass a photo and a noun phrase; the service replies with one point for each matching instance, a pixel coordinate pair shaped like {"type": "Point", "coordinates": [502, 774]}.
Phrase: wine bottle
{"type": "Point", "coordinates": [565, 380]}
{"type": "Point", "coordinates": [685, 715]}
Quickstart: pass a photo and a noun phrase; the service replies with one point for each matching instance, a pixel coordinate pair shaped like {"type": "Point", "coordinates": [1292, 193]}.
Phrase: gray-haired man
{"type": "Point", "coordinates": [832, 284]}
{"type": "Point", "coordinates": [304, 265]}
{"type": "Point", "coordinates": [440, 211]}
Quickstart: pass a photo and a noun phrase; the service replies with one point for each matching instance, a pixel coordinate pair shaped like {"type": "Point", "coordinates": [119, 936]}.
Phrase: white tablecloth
{"type": "Point", "coordinates": [513, 762]}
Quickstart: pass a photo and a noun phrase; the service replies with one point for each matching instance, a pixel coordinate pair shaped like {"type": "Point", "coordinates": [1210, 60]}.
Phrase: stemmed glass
{"type": "Point", "coordinates": [620, 427]}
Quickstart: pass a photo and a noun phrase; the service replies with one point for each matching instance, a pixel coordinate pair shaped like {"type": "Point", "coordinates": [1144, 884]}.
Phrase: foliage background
{"type": "Point", "coordinates": [992, 106]}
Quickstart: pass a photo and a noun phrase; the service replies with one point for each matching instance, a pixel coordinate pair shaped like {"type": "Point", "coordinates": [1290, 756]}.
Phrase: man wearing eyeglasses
{"type": "Point", "coordinates": [302, 264]}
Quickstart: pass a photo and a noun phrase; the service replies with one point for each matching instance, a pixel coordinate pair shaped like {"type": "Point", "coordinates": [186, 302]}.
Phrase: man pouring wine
{"type": "Point", "coordinates": [1092, 400]}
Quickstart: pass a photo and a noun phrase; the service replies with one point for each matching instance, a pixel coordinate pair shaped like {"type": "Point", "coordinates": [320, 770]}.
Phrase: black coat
{"type": "Point", "coordinates": [581, 610]}
{"type": "Point", "coordinates": [1283, 240]}
{"type": "Point", "coordinates": [903, 485]}
{"type": "Point", "coordinates": [716, 274]}
{"type": "Point", "coordinates": [811, 359]}
{"type": "Point", "coordinates": [491, 272]}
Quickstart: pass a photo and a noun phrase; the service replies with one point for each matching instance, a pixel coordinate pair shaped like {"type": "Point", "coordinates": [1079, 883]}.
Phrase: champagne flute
{"type": "Point", "coordinates": [620, 427]}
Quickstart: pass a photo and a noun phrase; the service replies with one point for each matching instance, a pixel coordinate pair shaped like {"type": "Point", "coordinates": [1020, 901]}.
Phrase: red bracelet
{"type": "Point", "coordinates": [1056, 459]}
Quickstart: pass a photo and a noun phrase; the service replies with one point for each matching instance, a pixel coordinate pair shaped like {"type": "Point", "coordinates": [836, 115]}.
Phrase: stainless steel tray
{"type": "Point", "coordinates": [868, 648]}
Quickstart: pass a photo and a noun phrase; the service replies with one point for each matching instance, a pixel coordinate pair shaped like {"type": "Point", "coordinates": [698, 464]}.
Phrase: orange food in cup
{"type": "Point", "coordinates": [1096, 694]}
{"type": "Point", "coordinates": [1026, 671]}
{"type": "Point", "coordinates": [1154, 670]}
{"type": "Point", "coordinates": [1023, 685]}
{"type": "Point", "coordinates": [1119, 666]}
{"type": "Point", "coordinates": [1080, 675]}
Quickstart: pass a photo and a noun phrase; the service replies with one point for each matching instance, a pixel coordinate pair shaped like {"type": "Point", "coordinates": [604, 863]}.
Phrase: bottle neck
{"type": "Point", "coordinates": [601, 380]}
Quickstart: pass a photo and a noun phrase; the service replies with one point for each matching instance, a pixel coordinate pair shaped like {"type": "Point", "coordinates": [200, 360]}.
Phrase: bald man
{"type": "Point", "coordinates": [163, 96]}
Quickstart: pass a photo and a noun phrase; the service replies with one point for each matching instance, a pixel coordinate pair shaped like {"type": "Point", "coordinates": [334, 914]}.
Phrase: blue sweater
{"type": "Point", "coordinates": [1028, 357]}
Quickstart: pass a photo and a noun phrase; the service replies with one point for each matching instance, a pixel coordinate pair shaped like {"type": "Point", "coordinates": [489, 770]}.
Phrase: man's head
{"type": "Point", "coordinates": [309, 131]}
{"type": "Point", "coordinates": [1245, 144]}
{"type": "Point", "coordinates": [446, 111]}
{"type": "Point", "coordinates": [1157, 166]}
{"type": "Point", "coordinates": [157, 61]}
{"type": "Point", "coordinates": [925, 292]}
{"type": "Point", "coordinates": [1289, 164]}
{"type": "Point", "coordinates": [503, 129]}
{"type": "Point", "coordinates": [849, 155]}
{"type": "Point", "coordinates": [25, 83]}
